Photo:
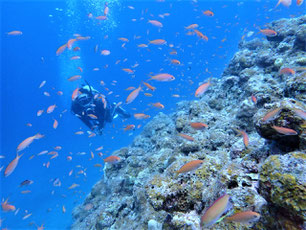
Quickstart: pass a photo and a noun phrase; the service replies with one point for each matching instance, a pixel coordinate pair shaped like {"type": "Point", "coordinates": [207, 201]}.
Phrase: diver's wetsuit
{"type": "Point", "coordinates": [94, 109]}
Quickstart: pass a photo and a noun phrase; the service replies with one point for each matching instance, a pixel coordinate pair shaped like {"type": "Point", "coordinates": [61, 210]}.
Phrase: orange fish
{"type": "Point", "coordinates": [299, 2]}
{"type": "Point", "coordinates": [70, 43]}
{"type": "Point", "coordinates": [28, 141]}
{"type": "Point", "coordinates": [158, 105]}
{"type": "Point", "coordinates": [75, 94]}
{"type": "Point", "coordinates": [254, 99]}
{"type": "Point", "coordinates": [74, 78]}
{"type": "Point", "coordinates": [155, 23]}
{"type": "Point", "coordinates": [92, 116]}
{"type": "Point", "coordinates": [128, 70]}
{"type": "Point", "coordinates": [103, 17]}
{"type": "Point", "coordinates": [215, 211]}
{"type": "Point", "coordinates": [200, 35]}
{"type": "Point", "coordinates": [130, 88]}
{"type": "Point", "coordinates": [163, 77]}
{"type": "Point", "coordinates": [285, 131]}
{"type": "Point", "coordinates": [245, 137]}
{"type": "Point", "coordinates": [287, 71]}
{"type": "Point", "coordinates": [268, 32]}
{"type": "Point", "coordinates": [63, 209]}
{"type": "Point", "coordinates": [148, 94]}
{"type": "Point", "coordinates": [149, 86]}
{"type": "Point", "coordinates": [73, 186]}
{"type": "Point", "coordinates": [208, 13]}
{"type": "Point", "coordinates": [300, 113]}
{"type": "Point", "coordinates": [11, 167]}
{"type": "Point", "coordinates": [111, 159]}
{"type": "Point", "coordinates": [123, 39]}
{"type": "Point", "coordinates": [158, 42]}
{"type": "Point", "coordinates": [7, 207]}
{"type": "Point", "coordinates": [175, 62]}
{"type": "Point", "coordinates": [190, 166]}
{"type": "Point", "coordinates": [51, 108]}
{"type": "Point", "coordinates": [244, 217]}
{"type": "Point", "coordinates": [185, 136]}
{"type": "Point", "coordinates": [202, 89]}
{"type": "Point", "coordinates": [198, 125]}
{"type": "Point", "coordinates": [105, 52]}
{"type": "Point", "coordinates": [55, 124]}
{"type": "Point", "coordinates": [76, 48]}
{"type": "Point", "coordinates": [15, 33]}
{"type": "Point", "coordinates": [192, 26]}
{"type": "Point", "coordinates": [132, 96]}
{"type": "Point", "coordinates": [39, 112]}
{"type": "Point", "coordinates": [270, 115]}
{"type": "Point", "coordinates": [61, 49]}
{"type": "Point", "coordinates": [129, 127]}
{"type": "Point", "coordinates": [75, 58]}
{"type": "Point", "coordinates": [142, 45]}
{"type": "Point", "coordinates": [81, 70]}
{"type": "Point", "coordinates": [141, 116]}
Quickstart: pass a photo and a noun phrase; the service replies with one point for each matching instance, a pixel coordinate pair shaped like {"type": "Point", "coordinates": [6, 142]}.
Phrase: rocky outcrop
{"type": "Point", "coordinates": [143, 191]}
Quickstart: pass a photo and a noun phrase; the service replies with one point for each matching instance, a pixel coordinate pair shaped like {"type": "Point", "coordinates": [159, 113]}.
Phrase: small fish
{"type": "Point", "coordinates": [148, 94]}
{"type": "Point", "coordinates": [208, 13]}
{"type": "Point", "coordinates": [7, 207]}
{"type": "Point", "coordinates": [132, 96]}
{"type": "Point", "coordinates": [149, 86]}
{"type": "Point", "coordinates": [11, 167]}
{"type": "Point", "coordinates": [285, 131]}
{"type": "Point", "coordinates": [299, 2]}
{"type": "Point", "coordinates": [198, 125]}
{"type": "Point", "coordinates": [51, 108]}
{"type": "Point", "coordinates": [92, 116]}
{"type": "Point", "coordinates": [155, 23]}
{"type": "Point", "coordinates": [244, 217]}
{"type": "Point", "coordinates": [55, 124]}
{"type": "Point", "coordinates": [190, 166]}
{"type": "Point", "coordinates": [141, 116]}
{"type": "Point", "coordinates": [245, 137]}
{"type": "Point", "coordinates": [127, 70]}
{"type": "Point", "coordinates": [39, 112]}
{"type": "Point", "coordinates": [164, 77]}
{"type": "Point", "coordinates": [102, 17]}
{"type": "Point", "coordinates": [75, 94]}
{"type": "Point", "coordinates": [97, 165]}
{"type": "Point", "coordinates": [63, 209]}
{"type": "Point", "coordinates": [42, 84]}
{"type": "Point", "coordinates": [202, 89]}
{"type": "Point", "coordinates": [25, 191]}
{"type": "Point", "coordinates": [76, 48]}
{"type": "Point", "coordinates": [158, 42]}
{"type": "Point", "coordinates": [79, 133]}
{"type": "Point", "coordinates": [61, 49]}
{"type": "Point", "coordinates": [200, 35]}
{"type": "Point", "coordinates": [70, 43]}
{"type": "Point", "coordinates": [26, 182]}
{"type": "Point", "coordinates": [271, 115]}
{"type": "Point", "coordinates": [175, 62]}
{"type": "Point", "coordinates": [215, 211]}
{"type": "Point", "coordinates": [287, 71]}
{"type": "Point", "coordinates": [105, 52]}
{"type": "Point", "coordinates": [42, 152]}
{"type": "Point", "coordinates": [129, 127]}
{"type": "Point", "coordinates": [15, 33]}
{"type": "Point", "coordinates": [75, 78]}
{"type": "Point", "coordinates": [112, 159]}
{"type": "Point", "coordinates": [185, 136]}
{"type": "Point", "coordinates": [142, 46]}
{"type": "Point", "coordinates": [192, 26]}
{"type": "Point", "coordinates": [24, 144]}
{"type": "Point", "coordinates": [158, 105]}
{"type": "Point", "coordinates": [254, 99]}
{"type": "Point", "coordinates": [268, 32]}
{"type": "Point", "coordinates": [286, 3]}
{"type": "Point", "coordinates": [73, 186]}
{"type": "Point", "coordinates": [27, 216]}
{"type": "Point", "coordinates": [123, 39]}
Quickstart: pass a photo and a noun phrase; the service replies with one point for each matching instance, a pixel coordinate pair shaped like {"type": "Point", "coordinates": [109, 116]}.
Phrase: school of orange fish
{"type": "Point", "coordinates": [220, 206]}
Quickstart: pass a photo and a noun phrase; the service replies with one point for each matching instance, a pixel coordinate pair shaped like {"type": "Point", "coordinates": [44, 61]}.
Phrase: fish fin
{"type": "Point", "coordinates": [279, 2]}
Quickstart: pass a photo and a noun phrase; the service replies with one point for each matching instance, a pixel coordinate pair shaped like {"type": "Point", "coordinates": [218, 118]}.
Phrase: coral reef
{"type": "Point", "coordinates": [143, 190]}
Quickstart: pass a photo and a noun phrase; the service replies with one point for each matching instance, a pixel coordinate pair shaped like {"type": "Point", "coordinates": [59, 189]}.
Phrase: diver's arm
{"type": "Point", "coordinates": [122, 113]}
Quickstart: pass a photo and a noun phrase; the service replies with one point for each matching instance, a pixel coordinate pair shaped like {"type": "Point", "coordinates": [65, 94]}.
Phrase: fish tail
{"type": "Point", "coordinates": [279, 2]}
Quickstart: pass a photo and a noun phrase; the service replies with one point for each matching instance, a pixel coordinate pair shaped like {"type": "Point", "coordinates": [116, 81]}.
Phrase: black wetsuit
{"type": "Point", "coordinates": [94, 109]}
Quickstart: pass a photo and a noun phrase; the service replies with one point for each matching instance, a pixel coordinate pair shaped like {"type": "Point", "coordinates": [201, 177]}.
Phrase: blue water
{"type": "Point", "coordinates": [29, 59]}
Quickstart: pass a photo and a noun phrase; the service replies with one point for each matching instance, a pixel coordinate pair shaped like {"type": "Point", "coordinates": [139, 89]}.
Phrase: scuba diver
{"type": "Point", "coordinates": [94, 110]}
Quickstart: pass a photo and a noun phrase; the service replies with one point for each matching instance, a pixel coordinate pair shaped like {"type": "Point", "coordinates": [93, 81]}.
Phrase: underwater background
{"type": "Point", "coordinates": [30, 58]}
